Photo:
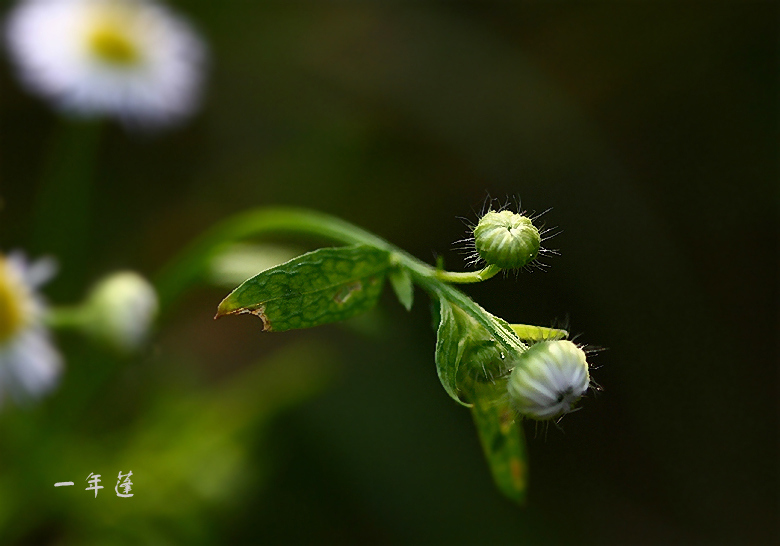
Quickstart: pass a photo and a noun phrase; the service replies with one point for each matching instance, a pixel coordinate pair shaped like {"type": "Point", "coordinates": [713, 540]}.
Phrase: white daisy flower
{"type": "Point", "coordinates": [548, 379]}
{"type": "Point", "coordinates": [29, 364]}
{"type": "Point", "coordinates": [131, 59]}
{"type": "Point", "coordinates": [120, 310]}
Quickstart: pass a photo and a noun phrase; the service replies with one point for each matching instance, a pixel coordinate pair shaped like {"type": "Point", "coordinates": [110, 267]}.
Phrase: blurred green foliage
{"type": "Point", "coordinates": [650, 128]}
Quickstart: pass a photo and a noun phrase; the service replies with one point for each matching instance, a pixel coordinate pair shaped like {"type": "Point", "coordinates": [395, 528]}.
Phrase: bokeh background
{"type": "Point", "coordinates": [649, 129]}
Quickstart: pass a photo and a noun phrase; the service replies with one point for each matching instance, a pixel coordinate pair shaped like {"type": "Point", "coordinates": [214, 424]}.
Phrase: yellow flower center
{"type": "Point", "coordinates": [13, 311]}
{"type": "Point", "coordinates": [110, 43]}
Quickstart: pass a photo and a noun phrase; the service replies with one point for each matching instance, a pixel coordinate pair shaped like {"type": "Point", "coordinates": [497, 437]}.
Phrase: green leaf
{"type": "Point", "coordinates": [465, 352]}
{"type": "Point", "coordinates": [449, 349]}
{"type": "Point", "coordinates": [526, 332]}
{"type": "Point", "coordinates": [320, 287]}
{"type": "Point", "coordinates": [502, 440]}
{"type": "Point", "coordinates": [401, 281]}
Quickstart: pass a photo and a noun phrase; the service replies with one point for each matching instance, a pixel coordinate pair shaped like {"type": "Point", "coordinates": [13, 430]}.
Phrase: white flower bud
{"type": "Point", "coordinates": [121, 309]}
{"type": "Point", "coordinates": [548, 379]}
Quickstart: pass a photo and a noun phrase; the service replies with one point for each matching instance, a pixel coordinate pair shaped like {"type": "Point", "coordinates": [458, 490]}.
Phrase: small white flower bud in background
{"type": "Point", "coordinates": [548, 379]}
{"type": "Point", "coordinates": [120, 310]}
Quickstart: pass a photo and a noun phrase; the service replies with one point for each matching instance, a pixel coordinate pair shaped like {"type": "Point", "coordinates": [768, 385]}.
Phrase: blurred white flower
{"type": "Point", "coordinates": [241, 261]}
{"type": "Point", "coordinates": [120, 310]}
{"type": "Point", "coordinates": [548, 379]}
{"type": "Point", "coordinates": [29, 364]}
{"type": "Point", "coordinates": [131, 59]}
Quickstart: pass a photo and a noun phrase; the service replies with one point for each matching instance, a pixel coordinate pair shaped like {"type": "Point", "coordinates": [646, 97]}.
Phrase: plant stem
{"type": "Point", "coordinates": [189, 265]}
{"type": "Point", "coordinates": [61, 216]}
{"type": "Point", "coordinates": [467, 276]}
{"type": "Point", "coordinates": [65, 317]}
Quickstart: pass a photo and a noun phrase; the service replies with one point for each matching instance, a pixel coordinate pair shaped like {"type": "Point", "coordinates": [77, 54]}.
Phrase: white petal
{"type": "Point", "coordinates": [48, 40]}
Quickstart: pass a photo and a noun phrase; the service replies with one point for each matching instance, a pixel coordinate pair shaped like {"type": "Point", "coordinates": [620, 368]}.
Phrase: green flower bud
{"type": "Point", "coordinates": [120, 309]}
{"type": "Point", "coordinates": [506, 239]}
{"type": "Point", "coordinates": [548, 379]}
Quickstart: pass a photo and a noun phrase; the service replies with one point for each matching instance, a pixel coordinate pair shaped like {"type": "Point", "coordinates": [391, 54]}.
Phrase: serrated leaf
{"type": "Point", "coordinates": [401, 281]}
{"type": "Point", "coordinates": [320, 287]}
{"type": "Point", "coordinates": [502, 439]}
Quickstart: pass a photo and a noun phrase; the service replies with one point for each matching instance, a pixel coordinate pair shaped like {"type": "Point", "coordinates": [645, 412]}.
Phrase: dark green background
{"type": "Point", "coordinates": [650, 129]}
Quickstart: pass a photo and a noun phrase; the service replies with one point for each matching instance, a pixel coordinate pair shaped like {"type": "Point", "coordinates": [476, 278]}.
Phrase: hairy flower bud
{"type": "Point", "coordinates": [548, 379]}
{"type": "Point", "coordinates": [506, 239]}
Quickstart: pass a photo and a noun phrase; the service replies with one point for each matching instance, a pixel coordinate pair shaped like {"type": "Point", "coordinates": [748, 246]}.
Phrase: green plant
{"type": "Point", "coordinates": [502, 372]}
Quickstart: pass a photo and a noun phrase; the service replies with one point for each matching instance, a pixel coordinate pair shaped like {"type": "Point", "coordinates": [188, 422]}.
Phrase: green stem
{"type": "Point", "coordinates": [188, 266]}
{"type": "Point", "coordinates": [467, 276]}
{"type": "Point", "coordinates": [61, 216]}
{"type": "Point", "coordinates": [65, 317]}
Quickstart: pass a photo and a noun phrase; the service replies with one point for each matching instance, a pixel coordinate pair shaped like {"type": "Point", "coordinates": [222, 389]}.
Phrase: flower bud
{"type": "Point", "coordinates": [548, 379]}
{"type": "Point", "coordinates": [506, 239]}
{"type": "Point", "coordinates": [121, 309]}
